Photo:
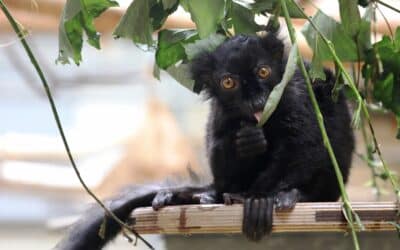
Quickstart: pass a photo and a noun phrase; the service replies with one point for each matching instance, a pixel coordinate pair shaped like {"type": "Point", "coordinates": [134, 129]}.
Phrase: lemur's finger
{"type": "Point", "coordinates": [269, 213]}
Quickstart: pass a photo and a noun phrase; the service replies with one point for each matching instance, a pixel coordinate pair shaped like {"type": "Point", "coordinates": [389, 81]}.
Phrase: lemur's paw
{"type": "Point", "coordinates": [207, 197]}
{"type": "Point", "coordinates": [286, 200]}
{"type": "Point", "coordinates": [163, 198]}
{"type": "Point", "coordinates": [233, 198]}
{"type": "Point", "coordinates": [257, 217]}
{"type": "Point", "coordinates": [250, 141]}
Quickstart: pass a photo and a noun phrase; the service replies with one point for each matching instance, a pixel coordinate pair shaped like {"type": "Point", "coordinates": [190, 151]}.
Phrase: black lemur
{"type": "Point", "coordinates": [279, 164]}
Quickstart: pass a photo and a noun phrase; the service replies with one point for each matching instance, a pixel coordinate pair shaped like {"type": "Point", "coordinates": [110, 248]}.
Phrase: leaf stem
{"type": "Point", "coordinates": [346, 203]}
{"type": "Point", "coordinates": [36, 65]}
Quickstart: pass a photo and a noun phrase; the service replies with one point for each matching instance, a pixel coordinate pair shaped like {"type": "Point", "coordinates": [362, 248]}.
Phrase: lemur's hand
{"type": "Point", "coordinates": [250, 140]}
{"type": "Point", "coordinates": [180, 196]}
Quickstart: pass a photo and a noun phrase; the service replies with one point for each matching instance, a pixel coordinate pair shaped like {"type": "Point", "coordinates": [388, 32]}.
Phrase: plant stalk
{"type": "Point", "coordinates": [346, 202]}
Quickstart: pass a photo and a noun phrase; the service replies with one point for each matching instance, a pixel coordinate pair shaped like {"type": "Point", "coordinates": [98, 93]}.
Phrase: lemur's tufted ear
{"type": "Point", "coordinates": [202, 67]}
{"type": "Point", "coordinates": [273, 44]}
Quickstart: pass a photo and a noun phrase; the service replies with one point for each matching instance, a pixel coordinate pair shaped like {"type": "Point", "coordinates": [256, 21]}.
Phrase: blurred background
{"type": "Point", "coordinates": [124, 126]}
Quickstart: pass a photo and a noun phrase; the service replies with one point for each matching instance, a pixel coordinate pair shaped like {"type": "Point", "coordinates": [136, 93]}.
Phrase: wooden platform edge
{"type": "Point", "coordinates": [305, 217]}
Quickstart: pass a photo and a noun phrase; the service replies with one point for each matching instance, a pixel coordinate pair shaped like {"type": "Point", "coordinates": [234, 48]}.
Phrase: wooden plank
{"type": "Point", "coordinates": [305, 217]}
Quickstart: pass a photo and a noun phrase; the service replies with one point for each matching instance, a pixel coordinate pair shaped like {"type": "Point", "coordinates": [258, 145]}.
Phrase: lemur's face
{"type": "Point", "coordinates": [241, 73]}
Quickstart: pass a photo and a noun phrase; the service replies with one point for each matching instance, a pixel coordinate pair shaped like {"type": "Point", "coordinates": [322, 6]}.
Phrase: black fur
{"type": "Point", "coordinates": [287, 161]}
{"type": "Point", "coordinates": [281, 163]}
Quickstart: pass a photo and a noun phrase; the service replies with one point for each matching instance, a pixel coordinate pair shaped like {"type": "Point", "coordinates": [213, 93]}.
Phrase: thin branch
{"type": "Point", "coordinates": [388, 6]}
{"type": "Point", "coordinates": [386, 21]}
{"type": "Point", "coordinates": [35, 63]}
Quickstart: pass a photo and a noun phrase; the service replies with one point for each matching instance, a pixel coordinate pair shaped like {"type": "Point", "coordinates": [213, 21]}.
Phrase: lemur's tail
{"type": "Point", "coordinates": [84, 235]}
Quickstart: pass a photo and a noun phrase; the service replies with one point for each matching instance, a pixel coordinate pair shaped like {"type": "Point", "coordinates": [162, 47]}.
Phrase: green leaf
{"type": "Point", "coordinates": [136, 24]}
{"type": "Point", "coordinates": [277, 91]}
{"type": "Point", "coordinates": [243, 19]}
{"type": "Point", "coordinates": [169, 4]}
{"type": "Point", "coordinates": [78, 16]}
{"type": "Point", "coordinates": [206, 14]}
{"type": "Point", "coordinates": [184, 4]}
{"type": "Point", "coordinates": [181, 74]}
{"type": "Point", "coordinates": [345, 46]}
{"type": "Point", "coordinates": [170, 48]}
{"type": "Point", "coordinates": [159, 13]}
{"type": "Point", "coordinates": [317, 68]}
{"type": "Point", "coordinates": [142, 18]}
{"type": "Point", "coordinates": [338, 85]}
{"type": "Point", "coordinates": [156, 71]}
{"type": "Point", "coordinates": [261, 6]}
{"type": "Point", "coordinates": [398, 126]}
{"type": "Point", "coordinates": [208, 44]}
{"type": "Point", "coordinates": [383, 90]}
{"type": "Point", "coordinates": [350, 16]}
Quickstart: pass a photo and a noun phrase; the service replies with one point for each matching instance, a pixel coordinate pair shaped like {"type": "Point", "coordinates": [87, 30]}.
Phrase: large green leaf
{"type": "Point", "coordinates": [78, 16]}
{"type": "Point", "coordinates": [170, 48]}
{"type": "Point", "coordinates": [142, 18]}
{"type": "Point", "coordinates": [206, 14]}
{"type": "Point", "coordinates": [344, 45]}
{"type": "Point", "coordinates": [277, 91]}
{"type": "Point", "coordinates": [261, 6]}
{"type": "Point", "coordinates": [350, 16]}
{"type": "Point", "coordinates": [208, 44]}
{"type": "Point", "coordinates": [181, 74]}
{"type": "Point", "coordinates": [243, 19]}
{"type": "Point", "coordinates": [176, 46]}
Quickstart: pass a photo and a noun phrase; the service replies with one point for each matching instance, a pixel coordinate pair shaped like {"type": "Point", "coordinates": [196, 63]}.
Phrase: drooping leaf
{"type": "Point", "coordinates": [206, 14]}
{"type": "Point", "coordinates": [208, 44]}
{"type": "Point", "coordinates": [260, 6]}
{"type": "Point", "coordinates": [135, 24]}
{"type": "Point", "coordinates": [170, 48]}
{"type": "Point", "coordinates": [169, 4]}
{"type": "Point", "coordinates": [243, 19]}
{"type": "Point", "coordinates": [142, 18]}
{"type": "Point", "coordinates": [277, 91]}
{"type": "Point", "coordinates": [78, 16]}
{"type": "Point", "coordinates": [317, 68]}
{"type": "Point", "coordinates": [181, 74]}
{"type": "Point", "coordinates": [344, 45]}
{"type": "Point", "coordinates": [350, 16]}
{"type": "Point", "coordinates": [337, 87]}
{"type": "Point", "coordinates": [156, 71]}
{"type": "Point", "coordinates": [159, 12]}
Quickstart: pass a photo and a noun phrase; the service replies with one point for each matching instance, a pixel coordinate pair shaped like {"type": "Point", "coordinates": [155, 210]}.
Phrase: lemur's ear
{"type": "Point", "coordinates": [273, 44]}
{"type": "Point", "coordinates": [202, 67]}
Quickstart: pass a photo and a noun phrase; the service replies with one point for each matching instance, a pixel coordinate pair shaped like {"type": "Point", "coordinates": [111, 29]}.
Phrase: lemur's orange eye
{"type": "Point", "coordinates": [228, 82]}
{"type": "Point", "coordinates": [264, 72]}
